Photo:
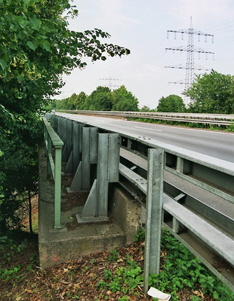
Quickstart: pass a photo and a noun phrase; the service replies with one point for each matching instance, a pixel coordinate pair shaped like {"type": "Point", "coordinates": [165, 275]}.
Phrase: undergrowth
{"type": "Point", "coordinates": [180, 273]}
{"type": "Point", "coordinates": [179, 270]}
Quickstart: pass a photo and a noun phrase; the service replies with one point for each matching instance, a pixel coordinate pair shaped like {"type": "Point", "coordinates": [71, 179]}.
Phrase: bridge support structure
{"type": "Point", "coordinates": [93, 158]}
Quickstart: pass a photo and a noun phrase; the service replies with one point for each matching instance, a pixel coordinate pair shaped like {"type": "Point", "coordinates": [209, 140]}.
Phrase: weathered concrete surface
{"type": "Point", "coordinates": [60, 245]}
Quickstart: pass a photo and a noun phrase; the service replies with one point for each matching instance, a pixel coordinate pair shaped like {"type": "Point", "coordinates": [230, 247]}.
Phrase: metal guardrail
{"type": "Point", "coordinates": [170, 197]}
{"type": "Point", "coordinates": [53, 147]}
{"type": "Point", "coordinates": [212, 119]}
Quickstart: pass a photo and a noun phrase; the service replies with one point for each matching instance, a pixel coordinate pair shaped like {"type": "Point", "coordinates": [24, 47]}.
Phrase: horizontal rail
{"type": "Point", "coordinates": [215, 119]}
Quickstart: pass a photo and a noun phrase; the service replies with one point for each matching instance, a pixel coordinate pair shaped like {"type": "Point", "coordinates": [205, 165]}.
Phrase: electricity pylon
{"type": "Point", "coordinates": [110, 80]}
{"type": "Point", "coordinates": [190, 49]}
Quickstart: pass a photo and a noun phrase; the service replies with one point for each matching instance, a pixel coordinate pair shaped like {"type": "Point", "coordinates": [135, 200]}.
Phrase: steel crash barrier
{"type": "Point", "coordinates": [190, 194]}
{"type": "Point", "coordinates": [209, 119]}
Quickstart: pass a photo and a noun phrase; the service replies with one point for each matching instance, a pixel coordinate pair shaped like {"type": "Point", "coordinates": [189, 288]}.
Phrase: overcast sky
{"type": "Point", "coordinates": [142, 27]}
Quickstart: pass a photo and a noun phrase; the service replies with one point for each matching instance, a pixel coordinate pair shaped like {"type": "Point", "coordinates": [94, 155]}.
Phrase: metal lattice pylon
{"type": "Point", "coordinates": [190, 49]}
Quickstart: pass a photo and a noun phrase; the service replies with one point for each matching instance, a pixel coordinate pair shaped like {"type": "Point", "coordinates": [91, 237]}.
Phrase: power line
{"type": "Point", "coordinates": [110, 82]}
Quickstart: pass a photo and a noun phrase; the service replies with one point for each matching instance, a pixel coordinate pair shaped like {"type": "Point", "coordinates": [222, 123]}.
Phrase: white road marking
{"type": "Point", "coordinates": [139, 127]}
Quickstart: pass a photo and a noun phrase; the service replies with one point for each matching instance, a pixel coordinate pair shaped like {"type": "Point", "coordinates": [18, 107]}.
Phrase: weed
{"type": "Point", "coordinates": [191, 273]}
{"type": "Point", "coordinates": [140, 236]}
{"type": "Point", "coordinates": [108, 275]}
{"type": "Point", "coordinates": [113, 256]}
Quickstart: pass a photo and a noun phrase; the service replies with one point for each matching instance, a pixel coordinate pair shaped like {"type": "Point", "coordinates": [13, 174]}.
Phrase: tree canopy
{"type": "Point", "coordinates": [101, 99]}
{"type": "Point", "coordinates": [124, 100]}
{"type": "Point", "coordinates": [36, 47]}
{"type": "Point", "coordinates": [171, 103]}
{"type": "Point", "coordinates": [212, 93]}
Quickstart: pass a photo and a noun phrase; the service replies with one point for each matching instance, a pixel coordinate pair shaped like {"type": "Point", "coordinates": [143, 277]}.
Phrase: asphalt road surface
{"type": "Point", "coordinates": [217, 144]}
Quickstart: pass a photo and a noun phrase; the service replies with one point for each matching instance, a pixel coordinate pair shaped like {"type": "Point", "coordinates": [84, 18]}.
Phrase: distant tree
{"type": "Point", "coordinates": [124, 100]}
{"type": "Point", "coordinates": [171, 103]}
{"type": "Point", "coordinates": [80, 101]}
{"type": "Point", "coordinates": [71, 102]}
{"type": "Point", "coordinates": [145, 109]}
{"type": "Point", "coordinates": [212, 93]}
{"type": "Point", "coordinates": [99, 100]}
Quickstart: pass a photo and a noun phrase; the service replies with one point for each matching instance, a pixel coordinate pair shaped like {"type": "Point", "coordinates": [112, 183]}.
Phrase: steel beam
{"type": "Point", "coordinates": [153, 213]}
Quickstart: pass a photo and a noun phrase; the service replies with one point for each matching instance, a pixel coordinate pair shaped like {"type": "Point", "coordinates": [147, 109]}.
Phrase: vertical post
{"type": "Point", "coordinates": [102, 176]}
{"type": "Point", "coordinates": [63, 137]}
{"type": "Point", "coordinates": [96, 206]}
{"type": "Point", "coordinates": [49, 151]}
{"type": "Point", "coordinates": [107, 170]}
{"type": "Point", "coordinates": [57, 187]}
{"type": "Point", "coordinates": [76, 151]}
{"type": "Point", "coordinates": [180, 164]}
{"type": "Point", "coordinates": [69, 134]}
{"type": "Point", "coordinates": [153, 213]}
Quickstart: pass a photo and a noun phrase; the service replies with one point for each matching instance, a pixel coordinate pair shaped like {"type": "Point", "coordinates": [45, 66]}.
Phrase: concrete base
{"type": "Point", "coordinates": [86, 220]}
{"type": "Point", "coordinates": [60, 245]}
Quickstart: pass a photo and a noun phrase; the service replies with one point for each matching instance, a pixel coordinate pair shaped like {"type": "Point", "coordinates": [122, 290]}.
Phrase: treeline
{"type": "Point", "coordinates": [102, 99]}
{"type": "Point", "coordinates": [210, 93]}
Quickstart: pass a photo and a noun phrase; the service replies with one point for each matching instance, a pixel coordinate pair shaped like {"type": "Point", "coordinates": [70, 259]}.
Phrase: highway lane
{"type": "Point", "coordinates": [212, 143]}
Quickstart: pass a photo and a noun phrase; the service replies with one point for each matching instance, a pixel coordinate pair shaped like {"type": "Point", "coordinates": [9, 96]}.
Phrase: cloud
{"type": "Point", "coordinates": [202, 12]}
{"type": "Point", "coordinates": [115, 12]}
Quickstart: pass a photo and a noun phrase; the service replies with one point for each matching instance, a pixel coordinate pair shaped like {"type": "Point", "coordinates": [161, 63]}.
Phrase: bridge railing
{"type": "Point", "coordinates": [185, 191]}
{"type": "Point", "coordinates": [211, 119]}
{"type": "Point", "coordinates": [53, 148]}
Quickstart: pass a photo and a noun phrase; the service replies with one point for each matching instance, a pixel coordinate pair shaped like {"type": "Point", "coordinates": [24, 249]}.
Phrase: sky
{"type": "Point", "coordinates": [142, 27]}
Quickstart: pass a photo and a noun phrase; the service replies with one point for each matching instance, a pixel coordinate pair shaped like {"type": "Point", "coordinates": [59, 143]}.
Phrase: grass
{"type": "Point", "coordinates": [228, 128]}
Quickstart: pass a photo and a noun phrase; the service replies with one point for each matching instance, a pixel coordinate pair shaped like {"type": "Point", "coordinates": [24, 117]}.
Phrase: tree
{"type": "Point", "coordinates": [36, 48]}
{"type": "Point", "coordinates": [80, 101]}
{"type": "Point", "coordinates": [145, 109]}
{"type": "Point", "coordinates": [171, 103]}
{"type": "Point", "coordinates": [212, 93]}
{"type": "Point", "coordinates": [124, 100]}
{"type": "Point", "coordinates": [100, 99]}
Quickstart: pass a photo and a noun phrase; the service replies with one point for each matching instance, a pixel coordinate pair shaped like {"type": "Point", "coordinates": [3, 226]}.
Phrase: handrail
{"type": "Point", "coordinates": [53, 146]}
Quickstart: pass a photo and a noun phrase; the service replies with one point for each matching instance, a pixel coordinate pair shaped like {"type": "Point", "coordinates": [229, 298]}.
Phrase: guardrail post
{"type": "Point", "coordinates": [77, 144]}
{"type": "Point", "coordinates": [57, 188]}
{"type": "Point", "coordinates": [96, 206]}
{"type": "Point", "coordinates": [153, 213]}
{"type": "Point", "coordinates": [81, 180]}
{"type": "Point", "coordinates": [180, 164]}
{"type": "Point", "coordinates": [69, 147]}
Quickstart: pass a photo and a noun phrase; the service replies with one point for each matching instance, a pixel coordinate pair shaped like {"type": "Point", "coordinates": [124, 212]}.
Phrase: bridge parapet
{"type": "Point", "coordinates": [193, 194]}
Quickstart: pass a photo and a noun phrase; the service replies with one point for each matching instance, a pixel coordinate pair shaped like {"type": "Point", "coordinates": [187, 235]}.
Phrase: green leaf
{"type": "Point", "coordinates": [36, 23]}
{"type": "Point", "coordinates": [32, 45]}
{"type": "Point", "coordinates": [45, 45]}
{"type": "Point", "coordinates": [3, 64]}
{"type": "Point", "coordinates": [26, 2]}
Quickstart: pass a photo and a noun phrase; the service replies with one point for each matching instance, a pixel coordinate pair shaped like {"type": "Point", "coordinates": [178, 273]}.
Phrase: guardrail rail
{"type": "Point", "coordinates": [211, 119]}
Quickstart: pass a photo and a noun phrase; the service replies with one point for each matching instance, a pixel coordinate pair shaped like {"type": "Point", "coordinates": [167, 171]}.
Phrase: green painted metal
{"type": "Point", "coordinates": [54, 165]}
